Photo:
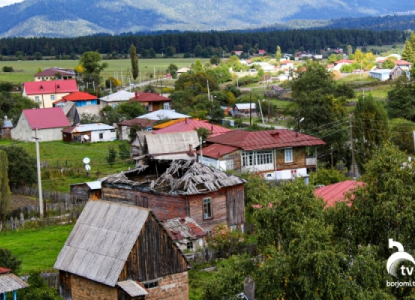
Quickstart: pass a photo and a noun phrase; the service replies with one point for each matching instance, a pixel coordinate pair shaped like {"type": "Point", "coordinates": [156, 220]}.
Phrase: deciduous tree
{"type": "Point", "coordinates": [4, 186]}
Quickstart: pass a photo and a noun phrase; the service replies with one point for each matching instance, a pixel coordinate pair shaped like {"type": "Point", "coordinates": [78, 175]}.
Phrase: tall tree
{"type": "Point", "coordinates": [21, 166]}
{"type": "Point", "coordinates": [90, 62]}
{"type": "Point", "coordinates": [134, 61]}
{"type": "Point", "coordinates": [401, 102]}
{"type": "Point", "coordinates": [370, 129]}
{"type": "Point", "coordinates": [408, 52]}
{"type": "Point", "coordinates": [198, 66]}
{"type": "Point", "coordinates": [4, 186]}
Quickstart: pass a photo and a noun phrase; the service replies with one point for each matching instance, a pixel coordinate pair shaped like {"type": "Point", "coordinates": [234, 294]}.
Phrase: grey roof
{"type": "Point", "coordinates": [245, 105]}
{"type": "Point", "coordinates": [132, 288]}
{"type": "Point", "coordinates": [181, 177]}
{"type": "Point", "coordinates": [118, 96]}
{"type": "Point", "coordinates": [171, 142]}
{"type": "Point", "coordinates": [10, 282]}
{"type": "Point", "coordinates": [101, 241]}
{"type": "Point", "coordinates": [163, 114]}
{"type": "Point", "coordinates": [94, 185]}
{"type": "Point", "coordinates": [67, 107]}
{"type": "Point", "coordinates": [92, 127]}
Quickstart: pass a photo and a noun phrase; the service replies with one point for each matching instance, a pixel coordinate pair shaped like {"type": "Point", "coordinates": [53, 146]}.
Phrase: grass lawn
{"type": "Point", "coordinates": [60, 155]}
{"type": "Point", "coordinates": [25, 70]}
{"type": "Point", "coordinates": [37, 248]}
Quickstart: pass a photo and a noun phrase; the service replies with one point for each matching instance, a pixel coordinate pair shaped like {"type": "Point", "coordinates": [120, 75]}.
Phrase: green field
{"type": "Point", "coordinates": [25, 70]}
{"type": "Point", "coordinates": [37, 248]}
{"type": "Point", "coordinates": [64, 162]}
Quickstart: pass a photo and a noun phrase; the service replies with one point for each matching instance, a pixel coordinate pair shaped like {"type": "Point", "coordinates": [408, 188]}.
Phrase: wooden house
{"type": "Point", "coordinates": [244, 109]}
{"type": "Point", "coordinates": [83, 133]}
{"type": "Point", "coordinates": [275, 154]}
{"type": "Point", "coordinates": [124, 127]}
{"type": "Point", "coordinates": [119, 251]}
{"type": "Point", "coordinates": [179, 188]}
{"type": "Point", "coordinates": [152, 101]}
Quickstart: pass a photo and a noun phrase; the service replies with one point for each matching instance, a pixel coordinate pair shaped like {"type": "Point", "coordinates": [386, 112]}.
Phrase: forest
{"type": "Point", "coordinates": [202, 44]}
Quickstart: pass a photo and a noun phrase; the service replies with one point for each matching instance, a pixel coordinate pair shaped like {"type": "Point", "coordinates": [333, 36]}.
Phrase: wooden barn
{"type": "Point", "coordinates": [177, 189]}
{"type": "Point", "coordinates": [118, 251]}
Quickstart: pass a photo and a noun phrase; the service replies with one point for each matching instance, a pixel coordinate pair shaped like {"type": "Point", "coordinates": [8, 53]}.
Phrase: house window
{"type": "Point", "coordinates": [151, 284]}
{"type": "Point", "coordinates": [257, 158]}
{"type": "Point", "coordinates": [229, 164]}
{"type": "Point", "coordinates": [207, 208]}
{"type": "Point", "coordinates": [150, 107]}
{"type": "Point", "coordinates": [288, 155]}
{"type": "Point", "coordinates": [101, 135]}
{"type": "Point", "coordinates": [189, 246]}
{"type": "Point", "coordinates": [166, 105]}
{"type": "Point", "coordinates": [52, 97]}
{"type": "Point", "coordinates": [37, 98]}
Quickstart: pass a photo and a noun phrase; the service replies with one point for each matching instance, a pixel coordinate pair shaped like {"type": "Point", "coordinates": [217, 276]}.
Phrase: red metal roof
{"type": "Point", "coordinates": [46, 118]}
{"type": "Point", "coordinates": [50, 87]}
{"type": "Point", "coordinates": [337, 192]}
{"type": "Point", "coordinates": [402, 62]}
{"type": "Point", "coordinates": [267, 139]}
{"type": "Point", "coordinates": [4, 270]}
{"type": "Point", "coordinates": [150, 97]}
{"type": "Point", "coordinates": [344, 61]}
{"type": "Point", "coordinates": [79, 96]}
{"type": "Point", "coordinates": [217, 150]}
{"type": "Point", "coordinates": [190, 125]}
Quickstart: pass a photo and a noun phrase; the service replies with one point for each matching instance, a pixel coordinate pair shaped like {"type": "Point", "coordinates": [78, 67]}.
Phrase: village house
{"type": "Point", "coordinates": [152, 102]}
{"type": "Point", "coordinates": [55, 73]}
{"type": "Point", "coordinates": [170, 146]}
{"type": "Point", "coordinates": [79, 98]}
{"type": "Point", "coordinates": [10, 283]}
{"type": "Point", "coordinates": [71, 113]}
{"type": "Point", "coordinates": [280, 154]}
{"type": "Point", "coordinates": [116, 98]}
{"type": "Point", "coordinates": [397, 72]}
{"type": "Point", "coordinates": [244, 110]}
{"type": "Point", "coordinates": [49, 123]}
{"type": "Point", "coordinates": [124, 127]}
{"type": "Point", "coordinates": [191, 125]}
{"type": "Point", "coordinates": [286, 65]}
{"type": "Point", "coordinates": [336, 192]}
{"type": "Point", "coordinates": [182, 71]}
{"type": "Point", "coordinates": [380, 74]}
{"type": "Point", "coordinates": [186, 233]}
{"type": "Point", "coordinates": [44, 93]}
{"type": "Point", "coordinates": [121, 251]}
{"type": "Point", "coordinates": [177, 189]}
{"type": "Point", "coordinates": [83, 133]}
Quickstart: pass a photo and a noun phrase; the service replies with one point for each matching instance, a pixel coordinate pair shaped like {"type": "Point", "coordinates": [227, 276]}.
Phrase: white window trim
{"type": "Point", "coordinates": [286, 151]}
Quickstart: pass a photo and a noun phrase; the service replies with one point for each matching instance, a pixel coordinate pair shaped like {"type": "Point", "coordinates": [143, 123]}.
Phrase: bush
{"type": "Point", "coordinates": [7, 69]}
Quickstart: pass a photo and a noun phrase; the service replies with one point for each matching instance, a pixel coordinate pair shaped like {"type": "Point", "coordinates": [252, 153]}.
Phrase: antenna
{"type": "Point", "coordinates": [86, 162]}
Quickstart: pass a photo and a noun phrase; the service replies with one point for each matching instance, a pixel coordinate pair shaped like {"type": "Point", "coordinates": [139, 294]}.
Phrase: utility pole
{"type": "Point", "coordinates": [332, 160]}
{"type": "Point", "coordinates": [39, 179]}
{"type": "Point", "coordinates": [250, 109]}
{"type": "Point", "coordinates": [201, 150]}
{"type": "Point", "coordinates": [351, 141]}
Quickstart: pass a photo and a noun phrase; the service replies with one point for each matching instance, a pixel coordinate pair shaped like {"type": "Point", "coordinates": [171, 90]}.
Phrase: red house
{"type": "Point", "coordinates": [152, 102]}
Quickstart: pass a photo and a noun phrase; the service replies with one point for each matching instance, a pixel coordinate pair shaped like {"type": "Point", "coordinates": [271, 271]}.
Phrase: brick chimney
{"type": "Point", "coordinates": [136, 95]}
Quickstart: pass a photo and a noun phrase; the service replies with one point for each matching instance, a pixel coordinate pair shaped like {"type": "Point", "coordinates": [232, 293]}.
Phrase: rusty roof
{"type": "Point", "coordinates": [181, 228]}
{"type": "Point", "coordinates": [149, 97]}
{"type": "Point", "coordinates": [10, 282]}
{"type": "Point", "coordinates": [137, 122]}
{"type": "Point", "coordinates": [191, 125]}
{"type": "Point", "coordinates": [267, 139]}
{"type": "Point", "coordinates": [217, 150]}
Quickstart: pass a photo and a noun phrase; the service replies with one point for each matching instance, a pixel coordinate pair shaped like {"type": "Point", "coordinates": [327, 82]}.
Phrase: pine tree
{"type": "Point", "coordinates": [408, 52]}
{"type": "Point", "coordinates": [4, 186]}
{"type": "Point", "coordinates": [134, 61]}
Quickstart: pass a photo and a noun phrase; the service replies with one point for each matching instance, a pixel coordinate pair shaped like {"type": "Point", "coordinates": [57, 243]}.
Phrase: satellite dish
{"type": "Point", "coordinates": [86, 137]}
{"type": "Point", "coordinates": [88, 167]}
{"type": "Point", "coordinates": [86, 160]}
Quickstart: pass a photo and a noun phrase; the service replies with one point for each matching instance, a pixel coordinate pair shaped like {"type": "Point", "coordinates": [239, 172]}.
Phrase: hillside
{"type": "Point", "coordinates": [67, 18]}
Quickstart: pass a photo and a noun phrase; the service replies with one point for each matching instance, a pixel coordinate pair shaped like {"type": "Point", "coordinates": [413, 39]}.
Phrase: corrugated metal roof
{"type": "Point", "coordinates": [132, 288]}
{"type": "Point", "coordinates": [78, 96]}
{"type": "Point", "coordinates": [217, 150]}
{"type": "Point", "coordinates": [183, 228]}
{"type": "Point", "coordinates": [46, 118]}
{"type": "Point", "coordinates": [337, 192]}
{"type": "Point", "coordinates": [138, 122]}
{"type": "Point", "coordinates": [53, 71]}
{"type": "Point", "coordinates": [50, 87]}
{"type": "Point", "coordinates": [171, 142]}
{"type": "Point", "coordinates": [169, 123]}
{"type": "Point", "coordinates": [192, 125]}
{"type": "Point", "coordinates": [89, 127]}
{"type": "Point", "coordinates": [94, 185]}
{"type": "Point", "coordinates": [245, 105]}
{"type": "Point", "coordinates": [10, 282]}
{"type": "Point", "coordinates": [163, 114]}
{"type": "Point", "coordinates": [118, 96]}
{"type": "Point", "coordinates": [267, 139]}
{"type": "Point", "coordinates": [150, 97]}
{"type": "Point", "coordinates": [101, 241]}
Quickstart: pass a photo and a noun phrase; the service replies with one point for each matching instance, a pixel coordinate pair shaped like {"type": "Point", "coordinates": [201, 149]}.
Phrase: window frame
{"type": "Point", "coordinates": [52, 97]}
{"type": "Point", "coordinates": [288, 152]}
{"type": "Point", "coordinates": [189, 245]}
{"type": "Point", "coordinates": [37, 99]}
{"type": "Point", "coordinates": [207, 208]}
{"type": "Point", "coordinates": [101, 135]}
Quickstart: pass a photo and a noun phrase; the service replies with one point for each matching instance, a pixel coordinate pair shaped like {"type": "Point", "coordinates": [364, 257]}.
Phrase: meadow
{"type": "Point", "coordinates": [26, 69]}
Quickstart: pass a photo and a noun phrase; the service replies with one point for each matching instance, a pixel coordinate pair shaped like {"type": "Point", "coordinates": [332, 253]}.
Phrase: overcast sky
{"type": "Point", "coordinates": [8, 2]}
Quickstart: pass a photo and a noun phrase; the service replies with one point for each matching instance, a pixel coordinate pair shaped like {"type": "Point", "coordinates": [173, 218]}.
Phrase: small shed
{"type": "Point", "coordinates": [187, 234]}
{"type": "Point", "coordinates": [10, 283]}
{"type": "Point", "coordinates": [380, 74]}
{"type": "Point", "coordinates": [120, 251]}
{"type": "Point", "coordinates": [87, 190]}
{"type": "Point", "coordinates": [84, 133]}
{"type": "Point", "coordinates": [5, 130]}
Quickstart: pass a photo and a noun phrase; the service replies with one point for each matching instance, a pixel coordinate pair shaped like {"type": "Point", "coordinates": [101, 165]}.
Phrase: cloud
{"type": "Point", "coordinates": [9, 2]}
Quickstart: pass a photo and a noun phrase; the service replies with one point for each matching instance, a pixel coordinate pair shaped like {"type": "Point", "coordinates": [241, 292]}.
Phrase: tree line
{"type": "Point", "coordinates": [201, 44]}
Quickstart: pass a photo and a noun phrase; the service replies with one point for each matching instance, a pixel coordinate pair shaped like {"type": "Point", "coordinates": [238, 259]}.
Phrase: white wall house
{"type": "Point", "coordinates": [382, 74]}
{"type": "Point", "coordinates": [89, 133]}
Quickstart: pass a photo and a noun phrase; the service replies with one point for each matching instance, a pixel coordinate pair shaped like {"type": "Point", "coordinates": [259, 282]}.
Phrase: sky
{"type": "Point", "coordinates": [8, 2]}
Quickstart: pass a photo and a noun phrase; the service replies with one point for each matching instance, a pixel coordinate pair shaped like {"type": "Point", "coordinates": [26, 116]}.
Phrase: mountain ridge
{"type": "Point", "coordinates": [70, 18]}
